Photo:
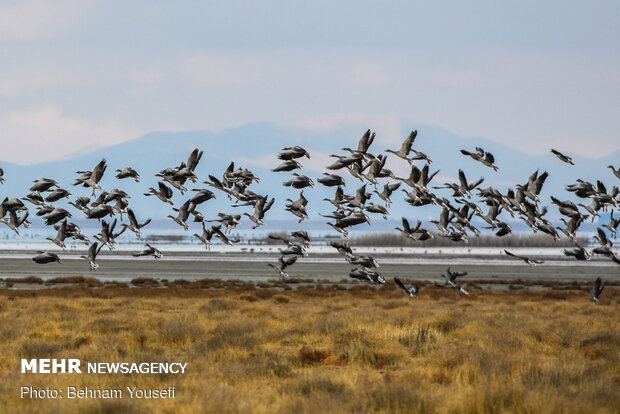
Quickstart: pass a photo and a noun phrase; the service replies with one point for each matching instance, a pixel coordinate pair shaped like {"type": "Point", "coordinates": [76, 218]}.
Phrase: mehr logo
{"type": "Point", "coordinates": [51, 366]}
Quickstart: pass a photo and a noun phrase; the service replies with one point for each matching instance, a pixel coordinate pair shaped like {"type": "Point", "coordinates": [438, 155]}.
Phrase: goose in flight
{"type": "Point", "coordinates": [331, 180]}
{"type": "Point", "coordinates": [290, 153]}
{"type": "Point", "coordinates": [283, 263]}
{"type": "Point", "coordinates": [451, 277]}
{"type": "Point", "coordinates": [578, 253]}
{"type": "Point", "coordinates": [363, 144]}
{"type": "Point", "coordinates": [120, 207]}
{"type": "Point", "coordinates": [529, 261]}
{"type": "Point", "coordinates": [74, 231]}
{"type": "Point", "coordinates": [351, 220]}
{"type": "Point", "coordinates": [338, 200]}
{"type": "Point", "coordinates": [229, 220]}
{"type": "Point", "coordinates": [343, 248]}
{"type": "Point", "coordinates": [602, 239]}
{"type": "Point", "coordinates": [177, 178]}
{"type": "Point", "coordinates": [1, 176]}
{"type": "Point", "coordinates": [406, 148]}
{"type": "Point", "coordinates": [563, 157]}
{"type": "Point", "coordinates": [616, 172]}
{"type": "Point", "coordinates": [219, 185]}
{"type": "Point", "coordinates": [107, 236]}
{"type": "Point", "coordinates": [606, 251]}
{"type": "Point", "coordinates": [412, 232]}
{"type": "Point", "coordinates": [217, 232]}
{"type": "Point", "coordinates": [388, 189]}
{"type": "Point", "coordinates": [419, 179]}
{"type": "Point", "coordinates": [44, 209]}
{"type": "Point", "coordinates": [376, 169]}
{"type": "Point", "coordinates": [44, 184]}
{"type": "Point", "coordinates": [549, 229]}
{"type": "Point", "coordinates": [164, 193]}
{"type": "Point", "coordinates": [93, 251]}
{"type": "Point", "coordinates": [345, 161]}
{"type": "Point", "coordinates": [60, 236]}
{"type": "Point", "coordinates": [100, 199]}
{"type": "Point", "coordinates": [482, 156]}
{"type": "Point", "coordinates": [597, 289]}
{"type": "Point", "coordinates": [150, 250]}
{"type": "Point", "coordinates": [571, 226]}
{"type": "Point", "coordinates": [92, 178]}
{"type": "Point", "coordinates": [206, 236]}
{"type": "Point", "coordinates": [464, 188]}
{"type": "Point", "coordinates": [412, 291]}
{"type": "Point", "coordinates": [115, 194]}
{"type": "Point", "coordinates": [361, 196]}
{"type": "Point", "coordinates": [378, 209]}
{"type": "Point", "coordinates": [298, 238]}
{"type": "Point", "coordinates": [201, 196]}
{"type": "Point", "coordinates": [288, 165]}
{"type": "Point", "coordinates": [367, 275]}
{"type": "Point", "coordinates": [260, 208]}
{"type": "Point", "coordinates": [183, 215]}
{"type": "Point", "coordinates": [14, 221]}
{"type": "Point", "coordinates": [128, 172]}
{"type": "Point", "coordinates": [534, 185]}
{"type": "Point", "coordinates": [99, 212]}
{"type": "Point", "coordinates": [298, 207]}
{"type": "Point", "coordinates": [46, 257]}
{"type": "Point", "coordinates": [56, 215]}
{"type": "Point", "coordinates": [503, 229]}
{"type": "Point", "coordinates": [57, 194]}
{"type": "Point", "coordinates": [134, 225]}
{"type": "Point", "coordinates": [193, 160]}
{"type": "Point", "coordinates": [13, 204]}
{"type": "Point", "coordinates": [302, 236]}
{"type": "Point", "coordinates": [35, 198]}
{"type": "Point", "coordinates": [612, 226]}
{"type": "Point", "coordinates": [366, 262]}
{"type": "Point", "coordinates": [299, 182]}
{"type": "Point", "coordinates": [295, 249]}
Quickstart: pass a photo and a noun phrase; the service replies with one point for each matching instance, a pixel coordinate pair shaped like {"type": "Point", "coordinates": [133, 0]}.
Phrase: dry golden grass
{"type": "Point", "coordinates": [321, 350]}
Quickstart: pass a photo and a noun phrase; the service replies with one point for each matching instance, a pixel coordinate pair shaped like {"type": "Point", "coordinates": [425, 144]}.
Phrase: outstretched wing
{"type": "Point", "coordinates": [97, 174]}
{"type": "Point", "coordinates": [401, 285]}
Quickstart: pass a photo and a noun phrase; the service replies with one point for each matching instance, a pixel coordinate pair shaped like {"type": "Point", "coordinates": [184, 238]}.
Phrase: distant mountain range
{"type": "Point", "coordinates": [255, 146]}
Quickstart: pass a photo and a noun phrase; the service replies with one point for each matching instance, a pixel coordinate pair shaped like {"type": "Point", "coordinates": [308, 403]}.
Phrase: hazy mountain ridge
{"type": "Point", "coordinates": [155, 151]}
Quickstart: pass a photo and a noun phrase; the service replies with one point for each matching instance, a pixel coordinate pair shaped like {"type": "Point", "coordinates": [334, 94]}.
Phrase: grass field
{"type": "Point", "coordinates": [321, 350]}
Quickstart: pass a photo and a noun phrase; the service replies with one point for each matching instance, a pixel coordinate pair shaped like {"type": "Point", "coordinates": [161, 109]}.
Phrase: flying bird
{"type": "Point", "coordinates": [46, 257]}
{"type": "Point", "coordinates": [482, 156]}
{"type": "Point", "coordinates": [529, 261]}
{"type": "Point", "coordinates": [283, 263]}
{"type": "Point", "coordinates": [597, 289]}
{"type": "Point", "coordinates": [93, 251]}
{"type": "Point", "coordinates": [150, 250]}
{"type": "Point", "coordinates": [563, 157]}
{"type": "Point", "coordinates": [412, 291]}
{"type": "Point", "coordinates": [128, 172]}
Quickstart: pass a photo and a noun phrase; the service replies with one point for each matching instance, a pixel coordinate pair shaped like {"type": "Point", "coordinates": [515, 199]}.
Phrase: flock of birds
{"type": "Point", "coordinates": [454, 223]}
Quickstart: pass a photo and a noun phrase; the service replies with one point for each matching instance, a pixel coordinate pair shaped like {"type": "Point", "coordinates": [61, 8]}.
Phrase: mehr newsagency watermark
{"type": "Point", "coordinates": [76, 366]}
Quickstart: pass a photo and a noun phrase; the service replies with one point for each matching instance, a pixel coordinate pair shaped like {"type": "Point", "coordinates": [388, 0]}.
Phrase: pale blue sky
{"type": "Point", "coordinates": [529, 74]}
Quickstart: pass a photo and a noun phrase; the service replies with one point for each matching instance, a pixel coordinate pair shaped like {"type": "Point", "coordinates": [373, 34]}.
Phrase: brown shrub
{"type": "Point", "coordinates": [144, 281]}
{"type": "Point", "coordinates": [309, 355]}
{"type": "Point", "coordinates": [281, 299]}
{"type": "Point", "coordinates": [27, 279]}
{"type": "Point", "coordinates": [74, 279]}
